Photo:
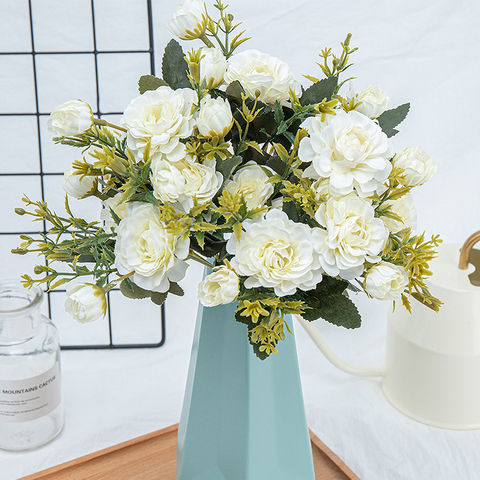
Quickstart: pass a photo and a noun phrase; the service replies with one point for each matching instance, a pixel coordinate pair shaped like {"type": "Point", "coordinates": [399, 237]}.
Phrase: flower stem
{"type": "Point", "coordinates": [206, 41]}
{"type": "Point", "coordinates": [104, 123]}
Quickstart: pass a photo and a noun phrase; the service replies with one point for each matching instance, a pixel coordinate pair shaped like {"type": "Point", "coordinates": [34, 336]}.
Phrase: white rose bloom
{"type": "Point", "coordinates": [213, 66]}
{"type": "Point", "coordinates": [202, 182]}
{"type": "Point", "coordinates": [70, 118]}
{"type": "Point", "coordinates": [162, 116]}
{"type": "Point", "coordinates": [349, 149]}
{"type": "Point", "coordinates": [417, 165]}
{"type": "Point", "coordinates": [386, 281]}
{"type": "Point", "coordinates": [352, 235]}
{"type": "Point", "coordinates": [189, 20]}
{"type": "Point", "coordinates": [218, 288]}
{"type": "Point", "coordinates": [185, 180]}
{"type": "Point", "coordinates": [251, 182]}
{"type": "Point", "coordinates": [373, 100]}
{"type": "Point", "coordinates": [167, 180]}
{"type": "Point", "coordinates": [79, 186]}
{"type": "Point", "coordinates": [278, 253]}
{"type": "Point", "coordinates": [144, 246]}
{"type": "Point", "coordinates": [321, 187]}
{"type": "Point", "coordinates": [120, 209]}
{"type": "Point", "coordinates": [214, 119]}
{"type": "Point", "coordinates": [260, 72]}
{"type": "Point", "coordinates": [85, 301]}
{"type": "Point", "coordinates": [404, 207]}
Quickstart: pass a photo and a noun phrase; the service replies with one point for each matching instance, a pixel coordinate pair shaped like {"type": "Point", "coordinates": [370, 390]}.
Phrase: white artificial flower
{"type": "Point", "coordinates": [386, 281]}
{"type": "Point", "coordinates": [189, 20]}
{"type": "Point", "coordinates": [85, 301]}
{"type": "Point", "coordinates": [70, 118]}
{"type": "Point", "coordinates": [404, 207]}
{"type": "Point", "coordinates": [146, 247]}
{"type": "Point", "coordinates": [79, 186]}
{"type": "Point", "coordinates": [373, 100]}
{"type": "Point", "coordinates": [185, 180]}
{"type": "Point", "coordinates": [321, 187]}
{"type": "Point", "coordinates": [278, 253]}
{"type": "Point", "coordinates": [349, 149]}
{"type": "Point", "coordinates": [352, 235]}
{"type": "Point", "coordinates": [214, 119]}
{"type": "Point", "coordinates": [218, 288]}
{"type": "Point", "coordinates": [202, 182]}
{"type": "Point", "coordinates": [120, 210]}
{"type": "Point", "coordinates": [161, 117]}
{"type": "Point", "coordinates": [213, 66]}
{"type": "Point", "coordinates": [260, 73]}
{"type": "Point", "coordinates": [167, 180]}
{"type": "Point", "coordinates": [252, 183]}
{"type": "Point", "coordinates": [417, 166]}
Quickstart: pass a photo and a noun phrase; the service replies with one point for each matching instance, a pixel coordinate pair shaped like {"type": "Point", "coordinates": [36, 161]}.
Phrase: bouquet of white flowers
{"type": "Point", "coordinates": [291, 196]}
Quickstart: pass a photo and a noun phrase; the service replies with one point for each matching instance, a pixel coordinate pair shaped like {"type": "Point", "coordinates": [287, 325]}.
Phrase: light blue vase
{"type": "Point", "coordinates": [242, 418]}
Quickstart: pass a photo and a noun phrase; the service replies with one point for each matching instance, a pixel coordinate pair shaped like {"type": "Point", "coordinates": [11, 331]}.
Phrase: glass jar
{"type": "Point", "coordinates": [31, 407]}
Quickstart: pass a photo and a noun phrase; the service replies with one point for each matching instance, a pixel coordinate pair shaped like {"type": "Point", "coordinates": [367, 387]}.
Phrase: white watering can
{"type": "Point", "coordinates": [432, 366]}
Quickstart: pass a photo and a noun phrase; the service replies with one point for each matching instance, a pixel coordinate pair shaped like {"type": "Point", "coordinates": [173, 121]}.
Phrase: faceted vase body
{"type": "Point", "coordinates": [243, 418]}
{"type": "Point", "coordinates": [31, 407]}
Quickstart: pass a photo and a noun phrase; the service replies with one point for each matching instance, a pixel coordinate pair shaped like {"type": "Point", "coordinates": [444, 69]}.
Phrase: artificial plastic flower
{"type": "Point", "coordinates": [352, 235]}
{"type": "Point", "coordinates": [85, 302]}
{"type": "Point", "coordinates": [261, 74]}
{"type": "Point", "coordinates": [160, 118]}
{"type": "Point", "coordinates": [70, 118]}
{"type": "Point", "coordinates": [145, 246]}
{"type": "Point", "coordinates": [218, 288]}
{"type": "Point", "coordinates": [350, 149]}
{"type": "Point", "coordinates": [276, 252]}
{"type": "Point", "coordinates": [386, 281]}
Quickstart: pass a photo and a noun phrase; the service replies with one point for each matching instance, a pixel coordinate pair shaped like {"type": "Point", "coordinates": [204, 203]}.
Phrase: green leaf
{"type": "Point", "coordinates": [226, 167]}
{"type": "Point", "coordinates": [130, 290]}
{"type": "Point", "coordinates": [174, 66]}
{"type": "Point", "coordinates": [277, 165]}
{"type": "Point", "coordinates": [234, 91]}
{"type": "Point", "coordinates": [317, 92]}
{"type": "Point", "coordinates": [389, 119]}
{"type": "Point", "coordinates": [327, 301]}
{"type": "Point", "coordinates": [149, 82]}
{"type": "Point", "coordinates": [291, 210]}
{"type": "Point", "coordinates": [158, 298]}
{"type": "Point", "coordinates": [175, 289]}
{"type": "Point", "coordinates": [279, 115]}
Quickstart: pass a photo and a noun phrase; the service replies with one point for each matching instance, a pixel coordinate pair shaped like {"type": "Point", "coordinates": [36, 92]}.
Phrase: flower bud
{"type": "Point", "coordinates": [214, 118]}
{"type": "Point", "coordinates": [85, 301]}
{"type": "Point", "coordinates": [213, 66]}
{"type": "Point", "coordinates": [71, 118]}
{"type": "Point", "coordinates": [20, 211]}
{"type": "Point", "coordinates": [77, 186]}
{"type": "Point", "coordinates": [38, 269]}
{"type": "Point", "coordinates": [189, 20]}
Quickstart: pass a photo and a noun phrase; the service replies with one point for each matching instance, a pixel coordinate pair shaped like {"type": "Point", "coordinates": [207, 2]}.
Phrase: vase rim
{"type": "Point", "coordinates": [11, 288]}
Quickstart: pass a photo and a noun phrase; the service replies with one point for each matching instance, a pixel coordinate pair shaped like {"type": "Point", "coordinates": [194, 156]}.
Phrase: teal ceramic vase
{"type": "Point", "coordinates": [242, 418]}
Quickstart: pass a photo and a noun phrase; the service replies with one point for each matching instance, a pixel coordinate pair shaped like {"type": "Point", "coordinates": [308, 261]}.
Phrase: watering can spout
{"type": "Point", "coordinates": [323, 346]}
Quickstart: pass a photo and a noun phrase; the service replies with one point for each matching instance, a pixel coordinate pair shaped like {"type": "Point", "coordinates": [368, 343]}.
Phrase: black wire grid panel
{"type": "Point", "coordinates": [107, 65]}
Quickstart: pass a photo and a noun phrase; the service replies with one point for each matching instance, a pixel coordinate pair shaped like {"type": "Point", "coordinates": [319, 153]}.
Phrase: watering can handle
{"type": "Point", "coordinates": [332, 357]}
{"type": "Point", "coordinates": [466, 249]}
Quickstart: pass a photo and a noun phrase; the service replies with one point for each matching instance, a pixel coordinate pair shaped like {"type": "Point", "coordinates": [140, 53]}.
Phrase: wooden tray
{"type": "Point", "coordinates": [152, 457]}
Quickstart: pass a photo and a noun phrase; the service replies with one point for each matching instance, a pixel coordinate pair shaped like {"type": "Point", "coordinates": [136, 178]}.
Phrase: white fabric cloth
{"type": "Point", "coordinates": [419, 52]}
